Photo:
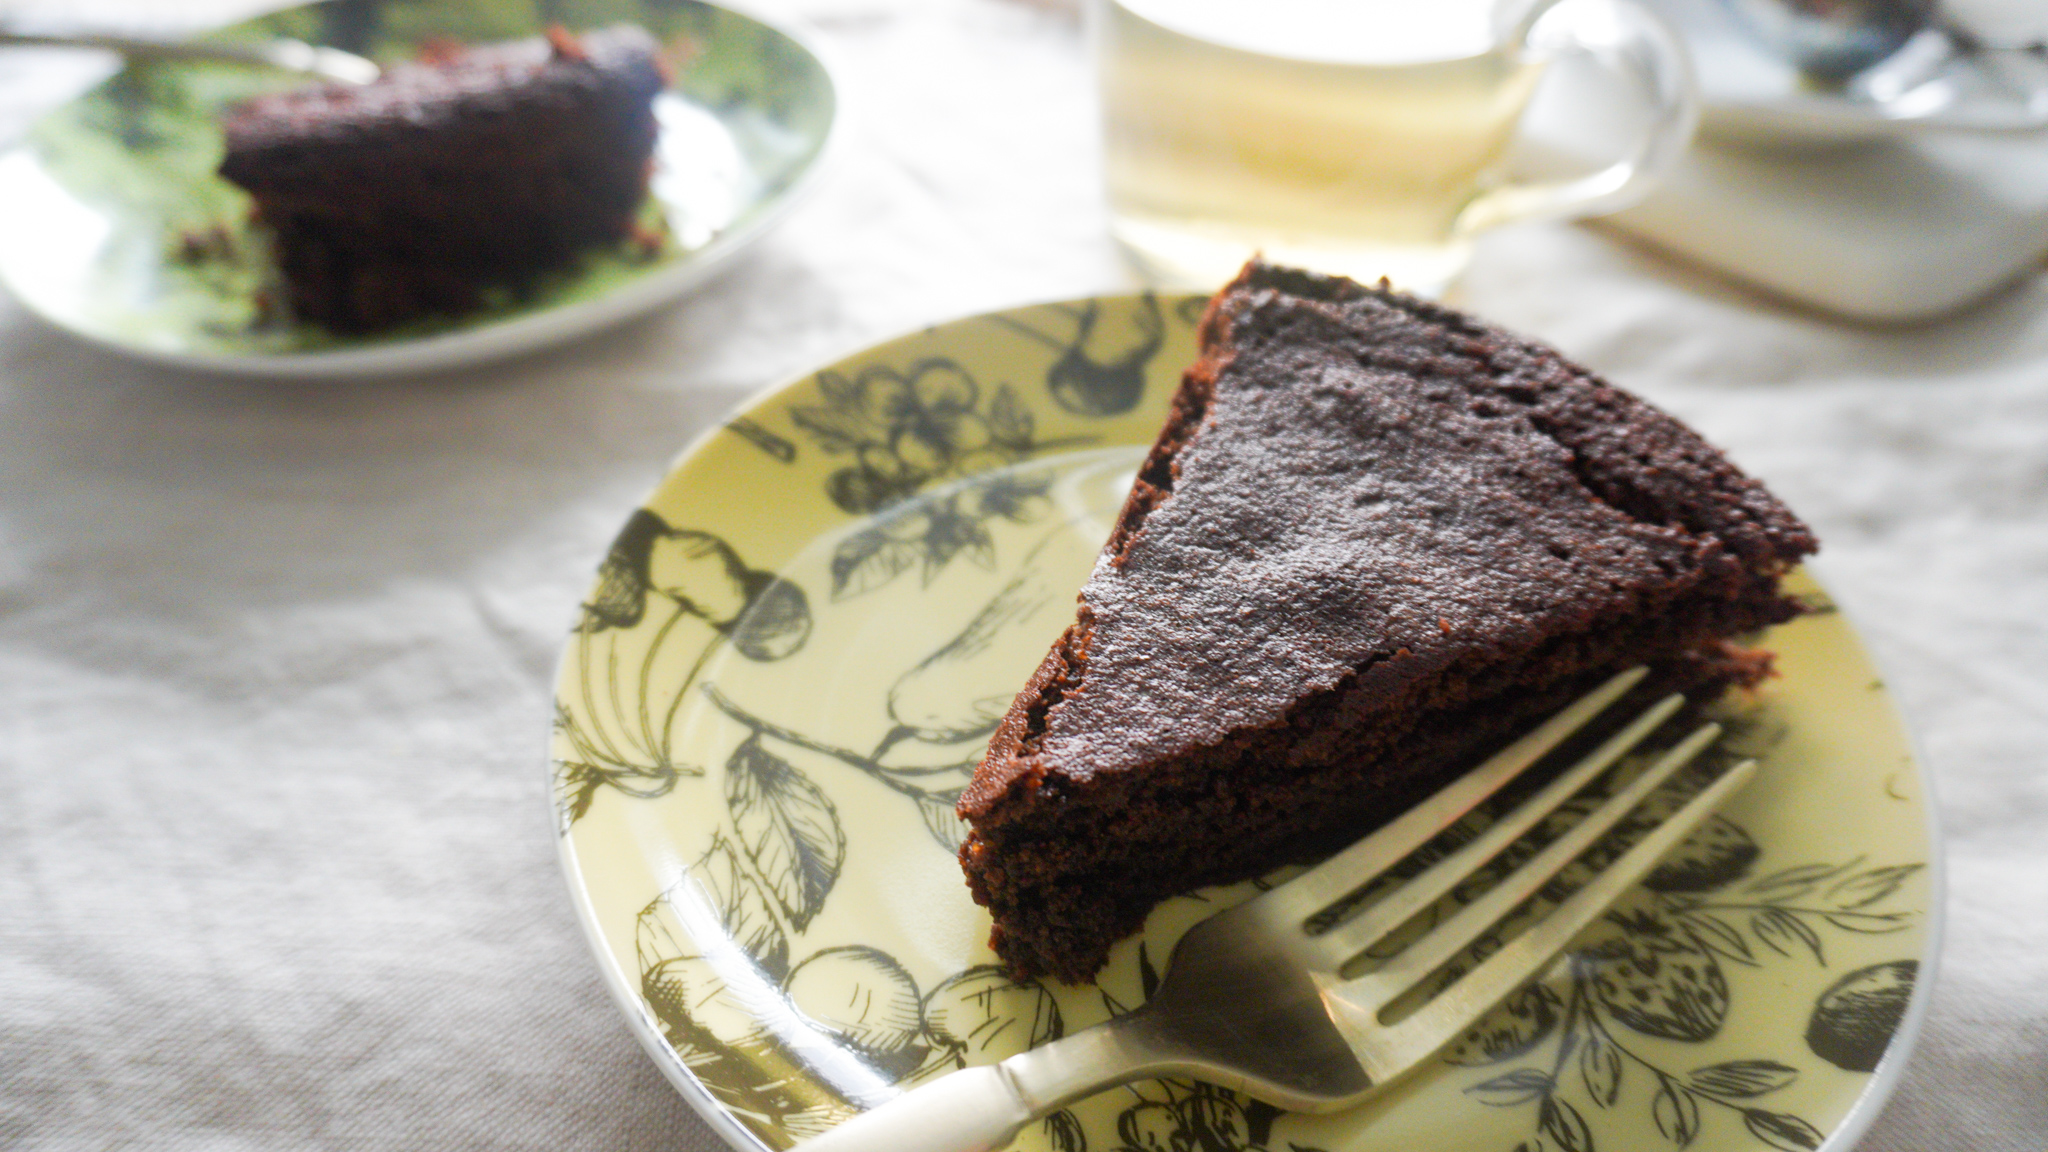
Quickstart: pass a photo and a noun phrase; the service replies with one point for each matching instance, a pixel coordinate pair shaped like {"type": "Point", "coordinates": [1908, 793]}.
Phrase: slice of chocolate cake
{"type": "Point", "coordinates": [482, 167]}
{"type": "Point", "coordinates": [1375, 539]}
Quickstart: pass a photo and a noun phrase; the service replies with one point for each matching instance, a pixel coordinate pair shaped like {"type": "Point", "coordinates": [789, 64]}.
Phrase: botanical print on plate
{"type": "Point", "coordinates": [793, 657]}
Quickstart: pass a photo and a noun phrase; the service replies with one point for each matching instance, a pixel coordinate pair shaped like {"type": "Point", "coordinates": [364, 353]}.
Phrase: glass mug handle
{"type": "Point", "coordinates": [1625, 38]}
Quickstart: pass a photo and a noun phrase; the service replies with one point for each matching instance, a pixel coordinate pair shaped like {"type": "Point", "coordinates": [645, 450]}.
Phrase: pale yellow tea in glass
{"type": "Point", "coordinates": [1355, 136]}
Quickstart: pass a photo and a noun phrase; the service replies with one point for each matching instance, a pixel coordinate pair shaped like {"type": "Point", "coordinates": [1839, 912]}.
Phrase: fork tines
{"type": "Point", "coordinates": [1359, 1005]}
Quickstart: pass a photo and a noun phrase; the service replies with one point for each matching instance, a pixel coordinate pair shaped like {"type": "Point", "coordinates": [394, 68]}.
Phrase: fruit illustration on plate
{"type": "Point", "coordinates": [715, 972]}
{"type": "Point", "coordinates": [1658, 980]}
{"type": "Point", "coordinates": [863, 997]}
{"type": "Point", "coordinates": [687, 992]}
{"type": "Point", "coordinates": [1717, 853]}
{"type": "Point", "coordinates": [765, 617]}
{"type": "Point", "coordinates": [928, 449]}
{"type": "Point", "coordinates": [1854, 1019]}
{"type": "Point", "coordinates": [981, 1016]}
{"type": "Point", "coordinates": [1100, 366]}
{"type": "Point", "coordinates": [1519, 1024]}
{"type": "Point", "coordinates": [663, 577]}
{"type": "Point", "coordinates": [1198, 1117]}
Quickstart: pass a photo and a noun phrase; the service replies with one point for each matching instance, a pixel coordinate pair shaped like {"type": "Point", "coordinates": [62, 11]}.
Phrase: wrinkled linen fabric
{"type": "Point", "coordinates": [276, 869]}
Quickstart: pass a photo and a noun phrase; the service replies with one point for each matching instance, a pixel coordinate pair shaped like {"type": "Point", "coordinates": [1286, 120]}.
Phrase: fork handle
{"type": "Point", "coordinates": [981, 1109]}
{"type": "Point", "coordinates": [972, 1110]}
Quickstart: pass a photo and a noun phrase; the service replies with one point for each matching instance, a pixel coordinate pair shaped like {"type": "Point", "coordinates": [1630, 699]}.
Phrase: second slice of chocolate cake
{"type": "Point", "coordinates": [1375, 539]}
{"type": "Point", "coordinates": [481, 168]}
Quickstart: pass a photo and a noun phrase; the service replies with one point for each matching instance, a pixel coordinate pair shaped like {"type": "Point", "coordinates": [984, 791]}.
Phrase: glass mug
{"type": "Point", "coordinates": [1365, 137]}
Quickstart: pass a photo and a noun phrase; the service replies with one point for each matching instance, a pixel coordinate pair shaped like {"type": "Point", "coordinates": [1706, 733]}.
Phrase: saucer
{"type": "Point", "coordinates": [1751, 96]}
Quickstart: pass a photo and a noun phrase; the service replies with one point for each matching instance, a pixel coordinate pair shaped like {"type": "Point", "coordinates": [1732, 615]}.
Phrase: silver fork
{"type": "Point", "coordinates": [1257, 997]}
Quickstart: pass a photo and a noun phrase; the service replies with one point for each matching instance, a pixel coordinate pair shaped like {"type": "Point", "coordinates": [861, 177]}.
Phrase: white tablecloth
{"type": "Point", "coordinates": [276, 869]}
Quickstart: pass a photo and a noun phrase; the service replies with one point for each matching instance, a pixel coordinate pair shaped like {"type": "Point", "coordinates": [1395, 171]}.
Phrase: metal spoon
{"type": "Point", "coordinates": [287, 55]}
{"type": "Point", "coordinates": [1833, 40]}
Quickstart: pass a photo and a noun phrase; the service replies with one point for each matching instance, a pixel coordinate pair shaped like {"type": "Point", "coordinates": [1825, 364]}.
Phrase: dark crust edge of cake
{"type": "Point", "coordinates": [1070, 937]}
{"type": "Point", "coordinates": [1772, 545]}
{"type": "Point", "coordinates": [619, 62]}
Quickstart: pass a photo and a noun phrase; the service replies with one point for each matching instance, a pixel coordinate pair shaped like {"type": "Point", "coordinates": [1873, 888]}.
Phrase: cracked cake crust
{"type": "Point", "coordinates": [1374, 536]}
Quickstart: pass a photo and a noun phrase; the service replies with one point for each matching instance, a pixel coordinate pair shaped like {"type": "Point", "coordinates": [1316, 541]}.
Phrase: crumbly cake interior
{"type": "Point", "coordinates": [1374, 539]}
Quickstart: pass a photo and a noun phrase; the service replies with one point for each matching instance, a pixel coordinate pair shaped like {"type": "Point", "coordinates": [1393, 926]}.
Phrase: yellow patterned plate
{"type": "Point", "coordinates": [795, 652]}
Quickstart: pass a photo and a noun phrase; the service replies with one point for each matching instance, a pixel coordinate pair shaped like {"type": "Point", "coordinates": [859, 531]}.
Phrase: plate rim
{"type": "Point", "coordinates": [513, 336]}
{"type": "Point", "coordinates": [1847, 1132]}
{"type": "Point", "coordinates": [1898, 1051]}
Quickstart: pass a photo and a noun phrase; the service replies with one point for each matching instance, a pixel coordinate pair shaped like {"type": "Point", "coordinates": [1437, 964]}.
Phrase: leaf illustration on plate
{"type": "Point", "coordinates": [1659, 974]}
{"type": "Point", "coordinates": [737, 907]}
{"type": "Point", "coordinates": [925, 784]}
{"type": "Point", "coordinates": [941, 819]}
{"type": "Point", "coordinates": [1676, 1113]}
{"type": "Point", "coordinates": [1866, 888]}
{"type": "Point", "coordinates": [1782, 1130]}
{"type": "Point", "coordinates": [1600, 1070]}
{"type": "Point", "coordinates": [1795, 883]}
{"type": "Point", "coordinates": [1564, 1125]}
{"type": "Point", "coordinates": [1782, 932]}
{"type": "Point", "coordinates": [869, 559]}
{"type": "Point", "coordinates": [1717, 936]}
{"type": "Point", "coordinates": [1512, 1088]}
{"type": "Point", "coordinates": [1743, 1078]}
{"type": "Point", "coordinates": [1869, 923]}
{"type": "Point", "coordinates": [1064, 1133]}
{"type": "Point", "coordinates": [786, 826]}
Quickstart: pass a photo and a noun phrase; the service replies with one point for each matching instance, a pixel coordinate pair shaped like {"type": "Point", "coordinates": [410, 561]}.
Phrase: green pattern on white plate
{"type": "Point", "coordinates": [796, 652]}
{"type": "Point", "coordinates": [119, 229]}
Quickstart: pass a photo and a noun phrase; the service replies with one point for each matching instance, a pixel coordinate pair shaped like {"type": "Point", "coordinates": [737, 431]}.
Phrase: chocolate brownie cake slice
{"type": "Point", "coordinates": [483, 167]}
{"type": "Point", "coordinates": [1375, 539]}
